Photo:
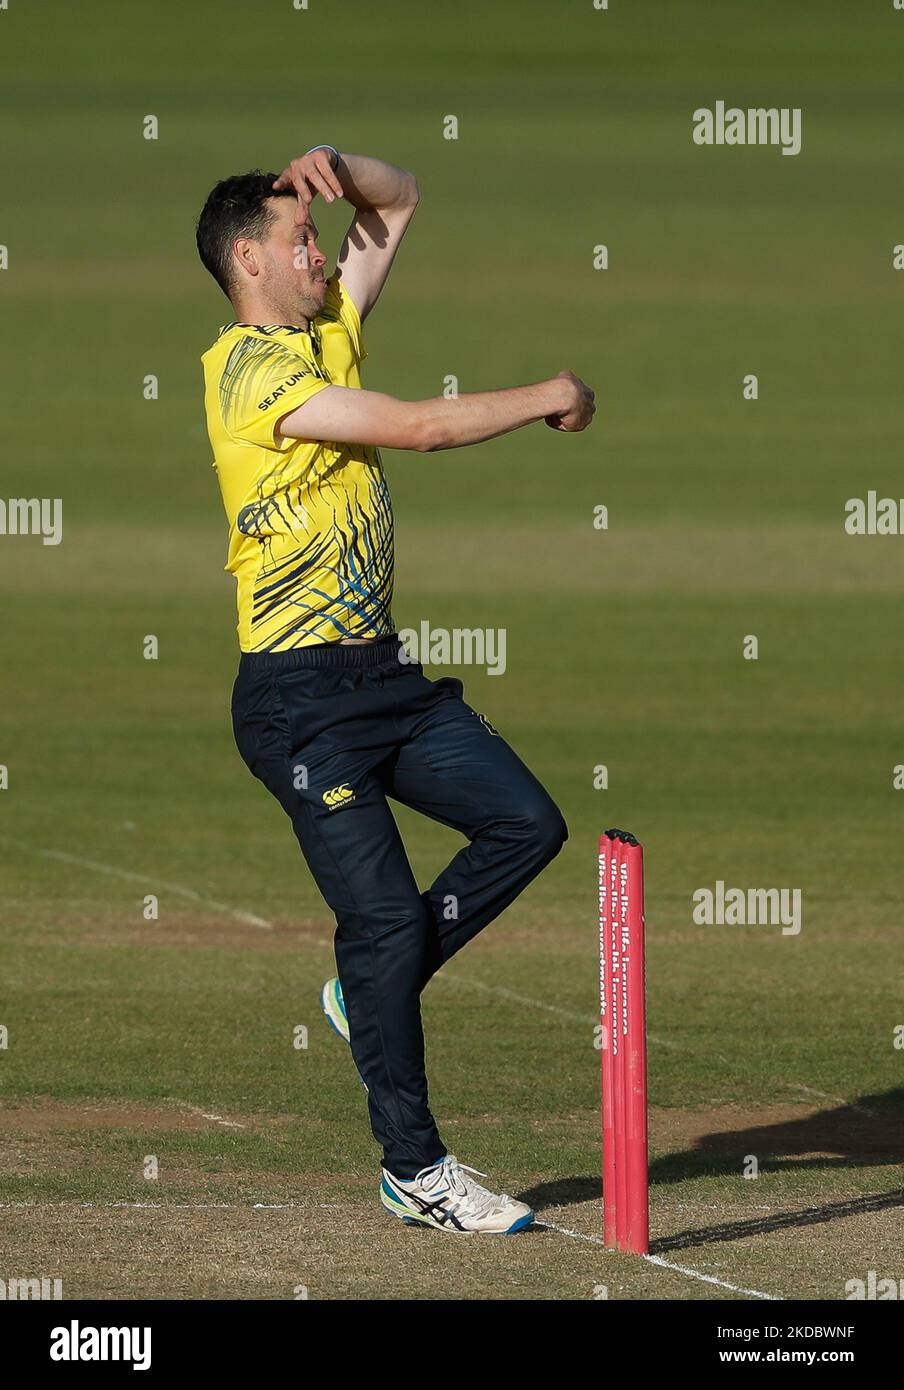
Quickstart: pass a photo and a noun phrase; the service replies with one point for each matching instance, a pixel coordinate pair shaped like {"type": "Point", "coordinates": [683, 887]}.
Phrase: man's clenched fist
{"type": "Point", "coordinates": [578, 404]}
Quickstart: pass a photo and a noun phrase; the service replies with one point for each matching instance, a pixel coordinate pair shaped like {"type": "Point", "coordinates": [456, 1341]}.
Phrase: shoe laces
{"type": "Point", "coordinates": [456, 1175]}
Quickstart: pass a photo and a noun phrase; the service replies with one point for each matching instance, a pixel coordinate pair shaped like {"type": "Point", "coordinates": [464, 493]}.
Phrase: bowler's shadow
{"type": "Point", "coordinates": [868, 1132]}
{"type": "Point", "coordinates": [864, 1133]}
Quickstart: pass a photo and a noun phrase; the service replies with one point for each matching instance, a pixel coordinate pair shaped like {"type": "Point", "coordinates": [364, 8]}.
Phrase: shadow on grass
{"type": "Point", "coordinates": [562, 1193]}
{"type": "Point", "coordinates": [864, 1133]}
{"type": "Point", "coordinates": [781, 1221]}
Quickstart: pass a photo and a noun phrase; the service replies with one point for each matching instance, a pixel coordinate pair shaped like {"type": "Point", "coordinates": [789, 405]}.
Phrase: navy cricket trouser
{"type": "Point", "coordinates": [332, 731]}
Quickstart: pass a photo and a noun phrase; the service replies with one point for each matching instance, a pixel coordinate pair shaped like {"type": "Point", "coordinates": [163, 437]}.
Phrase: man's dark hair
{"type": "Point", "coordinates": [236, 207]}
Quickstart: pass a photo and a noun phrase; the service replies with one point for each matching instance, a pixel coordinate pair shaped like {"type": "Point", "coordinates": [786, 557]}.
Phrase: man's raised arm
{"type": "Point", "coordinates": [384, 199]}
{"type": "Point", "coordinates": [343, 415]}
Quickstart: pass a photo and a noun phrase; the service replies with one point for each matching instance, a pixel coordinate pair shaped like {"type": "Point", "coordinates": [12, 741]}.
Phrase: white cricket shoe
{"type": "Point", "coordinates": [445, 1196]}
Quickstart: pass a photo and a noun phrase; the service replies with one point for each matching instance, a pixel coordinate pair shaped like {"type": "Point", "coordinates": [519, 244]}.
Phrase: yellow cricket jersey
{"type": "Point", "coordinates": [310, 522]}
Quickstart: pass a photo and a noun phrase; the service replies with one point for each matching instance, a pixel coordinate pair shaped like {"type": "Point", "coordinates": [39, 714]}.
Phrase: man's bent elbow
{"type": "Point", "coordinates": [412, 192]}
{"type": "Point", "coordinates": [407, 194]}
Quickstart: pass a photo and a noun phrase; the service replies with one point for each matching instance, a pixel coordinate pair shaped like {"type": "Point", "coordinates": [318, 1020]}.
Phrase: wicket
{"type": "Point", "coordinates": [624, 1043]}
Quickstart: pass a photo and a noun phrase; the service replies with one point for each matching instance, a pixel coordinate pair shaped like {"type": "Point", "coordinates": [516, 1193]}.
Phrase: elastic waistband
{"type": "Point", "coordinates": [356, 655]}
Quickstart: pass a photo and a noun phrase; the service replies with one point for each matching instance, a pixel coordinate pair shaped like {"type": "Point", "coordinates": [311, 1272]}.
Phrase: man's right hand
{"type": "Point", "coordinates": [578, 406]}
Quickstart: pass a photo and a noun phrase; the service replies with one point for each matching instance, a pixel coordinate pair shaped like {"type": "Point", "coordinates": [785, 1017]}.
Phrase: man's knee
{"type": "Point", "coordinates": [545, 828]}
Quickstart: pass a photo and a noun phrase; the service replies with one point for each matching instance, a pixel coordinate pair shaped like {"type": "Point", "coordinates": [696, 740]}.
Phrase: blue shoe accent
{"type": "Point", "coordinates": [521, 1224]}
{"type": "Point", "coordinates": [333, 1006]}
{"type": "Point", "coordinates": [335, 1026]}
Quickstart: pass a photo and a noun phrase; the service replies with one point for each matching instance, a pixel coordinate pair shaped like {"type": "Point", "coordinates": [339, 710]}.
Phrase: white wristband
{"type": "Point", "coordinates": [333, 151]}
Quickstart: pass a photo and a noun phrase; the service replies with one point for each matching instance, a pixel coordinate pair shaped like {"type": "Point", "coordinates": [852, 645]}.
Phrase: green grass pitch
{"type": "Point", "coordinates": [161, 1135]}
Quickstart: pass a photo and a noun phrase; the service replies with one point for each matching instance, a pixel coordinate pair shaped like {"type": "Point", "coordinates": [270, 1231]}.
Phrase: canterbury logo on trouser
{"type": "Point", "coordinates": [338, 796]}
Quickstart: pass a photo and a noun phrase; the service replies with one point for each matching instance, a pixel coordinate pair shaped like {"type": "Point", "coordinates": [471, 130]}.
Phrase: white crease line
{"type": "Point", "coordinates": [570, 1014]}
{"type": "Point", "coordinates": [165, 1206]}
{"type": "Point", "coordinates": [511, 995]}
{"type": "Point", "coordinates": [206, 1115]}
{"type": "Point", "coordinates": [149, 1206]}
{"type": "Point", "coordinates": [664, 1264]}
{"type": "Point", "coordinates": [710, 1279]}
{"type": "Point", "coordinates": [249, 918]}
{"type": "Point", "coordinates": [292, 1206]}
{"type": "Point", "coordinates": [838, 1100]}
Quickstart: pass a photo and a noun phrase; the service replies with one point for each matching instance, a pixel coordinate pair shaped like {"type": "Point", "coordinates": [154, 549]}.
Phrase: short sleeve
{"type": "Point", "coordinates": [262, 382]}
{"type": "Point", "coordinates": [346, 310]}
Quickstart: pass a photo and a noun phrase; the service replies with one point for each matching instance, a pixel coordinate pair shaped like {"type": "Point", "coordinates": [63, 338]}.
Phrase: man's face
{"type": "Point", "coordinates": [293, 276]}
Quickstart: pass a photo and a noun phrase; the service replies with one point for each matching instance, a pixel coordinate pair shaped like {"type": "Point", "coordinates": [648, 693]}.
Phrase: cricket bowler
{"type": "Point", "coordinates": [328, 712]}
